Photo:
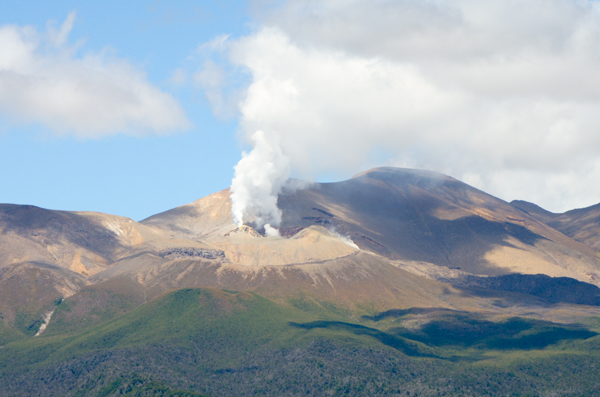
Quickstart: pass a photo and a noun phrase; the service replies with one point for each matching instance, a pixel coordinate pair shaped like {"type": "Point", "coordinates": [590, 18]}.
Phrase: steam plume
{"type": "Point", "coordinates": [503, 95]}
{"type": "Point", "coordinates": [259, 178]}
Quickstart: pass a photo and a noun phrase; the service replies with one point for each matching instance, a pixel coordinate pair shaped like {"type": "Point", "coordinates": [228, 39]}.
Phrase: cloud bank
{"type": "Point", "coordinates": [44, 81]}
{"type": "Point", "coordinates": [502, 94]}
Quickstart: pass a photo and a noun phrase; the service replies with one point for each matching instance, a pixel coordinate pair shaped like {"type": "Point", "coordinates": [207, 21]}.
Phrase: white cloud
{"type": "Point", "coordinates": [502, 93]}
{"type": "Point", "coordinates": [42, 80]}
{"type": "Point", "coordinates": [219, 79]}
{"type": "Point", "coordinates": [178, 77]}
{"type": "Point", "coordinates": [211, 79]}
{"type": "Point", "coordinates": [59, 37]}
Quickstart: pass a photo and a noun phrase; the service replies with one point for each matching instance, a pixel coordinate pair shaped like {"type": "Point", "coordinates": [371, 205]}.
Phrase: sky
{"type": "Point", "coordinates": [133, 108]}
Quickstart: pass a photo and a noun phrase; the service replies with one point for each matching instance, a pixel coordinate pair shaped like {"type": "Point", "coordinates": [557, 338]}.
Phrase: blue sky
{"type": "Point", "coordinates": [133, 108]}
{"type": "Point", "coordinates": [122, 174]}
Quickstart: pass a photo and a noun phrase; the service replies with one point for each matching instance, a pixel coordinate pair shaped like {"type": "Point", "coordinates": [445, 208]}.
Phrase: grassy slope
{"type": "Point", "coordinates": [9, 334]}
{"type": "Point", "coordinates": [237, 343]}
{"type": "Point", "coordinates": [95, 305]}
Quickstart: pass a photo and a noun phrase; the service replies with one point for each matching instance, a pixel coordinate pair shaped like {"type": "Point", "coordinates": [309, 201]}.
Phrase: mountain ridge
{"type": "Point", "coordinates": [385, 284]}
{"type": "Point", "coordinates": [383, 226]}
{"type": "Point", "coordinates": [581, 224]}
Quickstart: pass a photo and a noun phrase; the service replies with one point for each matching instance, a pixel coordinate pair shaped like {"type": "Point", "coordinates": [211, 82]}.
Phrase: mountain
{"type": "Point", "coordinates": [386, 238]}
{"type": "Point", "coordinates": [581, 224]}
{"type": "Point", "coordinates": [409, 216]}
{"type": "Point", "coordinates": [422, 216]}
{"type": "Point", "coordinates": [398, 264]}
{"type": "Point", "coordinates": [47, 256]}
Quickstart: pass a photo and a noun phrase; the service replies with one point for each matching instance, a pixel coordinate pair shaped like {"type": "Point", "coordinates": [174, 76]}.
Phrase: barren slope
{"type": "Point", "coordinates": [405, 215]}
{"type": "Point", "coordinates": [581, 224]}
{"type": "Point", "coordinates": [377, 240]}
{"type": "Point", "coordinates": [420, 216]}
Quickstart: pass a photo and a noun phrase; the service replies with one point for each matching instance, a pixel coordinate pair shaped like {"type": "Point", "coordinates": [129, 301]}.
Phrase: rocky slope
{"type": "Point", "coordinates": [388, 238]}
{"type": "Point", "coordinates": [581, 224]}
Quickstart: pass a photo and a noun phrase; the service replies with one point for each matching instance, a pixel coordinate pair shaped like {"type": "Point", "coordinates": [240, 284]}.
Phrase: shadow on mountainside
{"type": "Point", "coordinates": [394, 313]}
{"type": "Point", "coordinates": [448, 328]}
{"type": "Point", "coordinates": [398, 343]}
{"type": "Point", "coordinates": [48, 227]}
{"type": "Point", "coordinates": [409, 216]}
{"type": "Point", "coordinates": [551, 290]}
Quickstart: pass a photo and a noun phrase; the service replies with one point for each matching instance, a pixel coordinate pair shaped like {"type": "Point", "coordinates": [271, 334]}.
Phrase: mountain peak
{"type": "Point", "coordinates": [387, 172]}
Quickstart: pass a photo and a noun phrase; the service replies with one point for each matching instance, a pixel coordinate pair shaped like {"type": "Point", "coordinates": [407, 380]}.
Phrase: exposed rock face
{"type": "Point", "coordinates": [186, 252]}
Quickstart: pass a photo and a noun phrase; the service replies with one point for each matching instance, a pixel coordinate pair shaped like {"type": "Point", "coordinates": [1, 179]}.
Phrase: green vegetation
{"type": "Point", "coordinates": [94, 306]}
{"type": "Point", "coordinates": [398, 343]}
{"type": "Point", "coordinates": [203, 341]}
{"type": "Point", "coordinates": [9, 334]}
{"type": "Point", "coordinates": [136, 385]}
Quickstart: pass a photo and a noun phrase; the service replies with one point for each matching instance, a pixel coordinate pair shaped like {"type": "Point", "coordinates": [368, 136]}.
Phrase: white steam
{"type": "Point", "coordinates": [259, 178]}
{"type": "Point", "coordinates": [271, 231]}
{"type": "Point", "coordinates": [503, 94]}
{"type": "Point", "coordinates": [345, 239]}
